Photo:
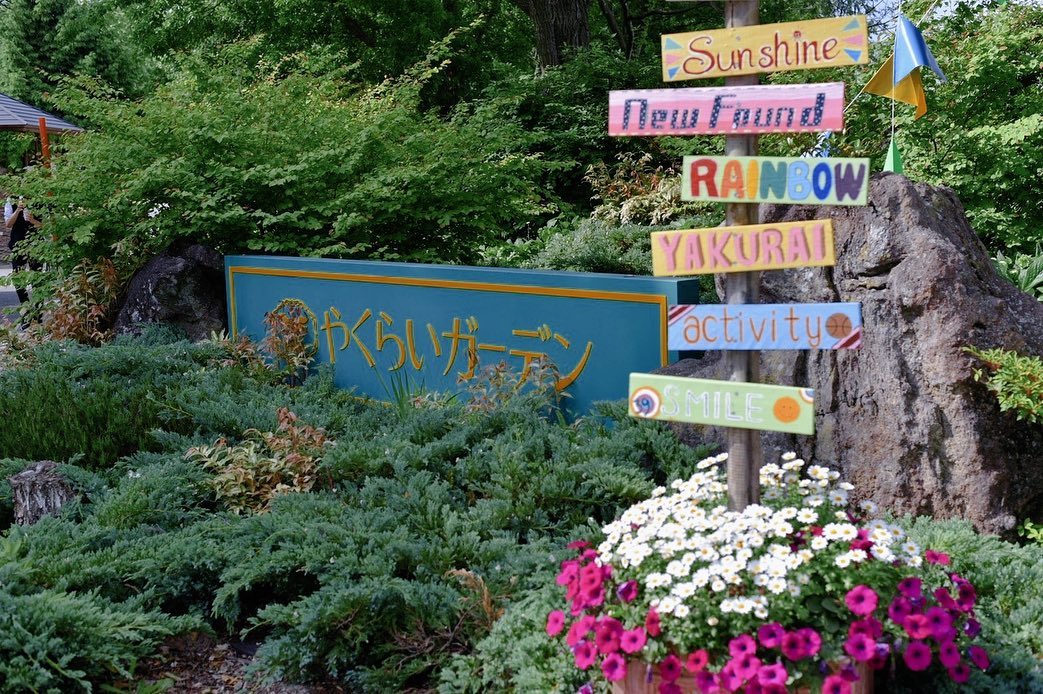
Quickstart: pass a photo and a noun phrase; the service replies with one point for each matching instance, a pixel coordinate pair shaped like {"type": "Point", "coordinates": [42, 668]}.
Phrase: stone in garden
{"type": "Point", "coordinates": [38, 491]}
{"type": "Point", "coordinates": [183, 287]}
{"type": "Point", "coordinates": [902, 416]}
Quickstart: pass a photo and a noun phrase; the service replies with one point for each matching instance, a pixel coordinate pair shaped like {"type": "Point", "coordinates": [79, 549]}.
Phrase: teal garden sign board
{"type": "Point", "coordinates": [387, 325]}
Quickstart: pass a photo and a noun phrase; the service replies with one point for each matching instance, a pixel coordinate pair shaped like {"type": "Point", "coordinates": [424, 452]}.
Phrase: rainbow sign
{"type": "Point", "coordinates": [787, 108]}
{"type": "Point", "coordinates": [743, 248]}
{"type": "Point", "coordinates": [722, 403]}
{"type": "Point", "coordinates": [749, 50]}
{"type": "Point", "coordinates": [793, 180]}
{"type": "Point", "coordinates": [765, 326]}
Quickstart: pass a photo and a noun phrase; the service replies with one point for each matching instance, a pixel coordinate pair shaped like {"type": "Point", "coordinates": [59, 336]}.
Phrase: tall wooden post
{"type": "Point", "coordinates": [45, 143]}
{"type": "Point", "coordinates": [744, 448]}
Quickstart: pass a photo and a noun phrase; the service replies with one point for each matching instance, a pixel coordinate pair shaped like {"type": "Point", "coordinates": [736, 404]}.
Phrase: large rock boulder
{"type": "Point", "coordinates": [903, 416]}
{"type": "Point", "coordinates": [182, 286]}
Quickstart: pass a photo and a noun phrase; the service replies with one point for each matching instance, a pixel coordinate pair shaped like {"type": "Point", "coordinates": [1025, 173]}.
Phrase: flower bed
{"type": "Point", "coordinates": [794, 593]}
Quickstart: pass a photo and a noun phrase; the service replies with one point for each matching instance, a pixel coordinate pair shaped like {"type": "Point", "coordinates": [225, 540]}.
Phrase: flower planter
{"type": "Point", "coordinates": [644, 679]}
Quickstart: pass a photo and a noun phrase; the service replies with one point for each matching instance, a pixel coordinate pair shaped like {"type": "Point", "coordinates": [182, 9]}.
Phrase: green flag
{"type": "Point", "coordinates": [893, 163]}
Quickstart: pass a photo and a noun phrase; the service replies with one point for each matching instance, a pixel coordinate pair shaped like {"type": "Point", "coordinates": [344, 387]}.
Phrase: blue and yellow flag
{"type": "Point", "coordinates": [899, 77]}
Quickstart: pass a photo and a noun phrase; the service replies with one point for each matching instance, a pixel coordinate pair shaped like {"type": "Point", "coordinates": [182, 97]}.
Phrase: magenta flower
{"type": "Point", "coordinates": [593, 598]}
{"type": "Point", "coordinates": [742, 645]}
{"type": "Point", "coordinates": [652, 622]}
{"type": "Point", "coordinates": [911, 587]}
{"type": "Point", "coordinates": [555, 623]}
{"type": "Point", "coordinates": [932, 557]}
{"type": "Point", "coordinates": [940, 623]}
{"type": "Point", "coordinates": [632, 640]}
{"type": "Point", "coordinates": [584, 654]}
{"type": "Point", "coordinates": [948, 654]}
{"type": "Point", "coordinates": [705, 681]}
{"type": "Point", "coordinates": [670, 688]}
{"type": "Point", "coordinates": [569, 572]}
{"type": "Point", "coordinates": [917, 656]}
{"type": "Point", "coordinates": [960, 673]}
{"type": "Point", "coordinates": [614, 667]}
{"type": "Point", "coordinates": [590, 577]}
{"type": "Point", "coordinates": [965, 596]}
{"type": "Point", "coordinates": [772, 675]}
{"type": "Point", "coordinates": [835, 684]}
{"type": "Point", "coordinates": [860, 647]}
{"type": "Point", "coordinates": [746, 666]}
{"type": "Point", "coordinates": [812, 641]}
{"type": "Point", "coordinates": [608, 635]}
{"type": "Point", "coordinates": [861, 600]}
{"type": "Point", "coordinates": [729, 679]}
{"type": "Point", "coordinates": [979, 657]}
{"type": "Point", "coordinates": [899, 609]}
{"type": "Point", "coordinates": [945, 600]}
{"type": "Point", "coordinates": [579, 630]}
{"type": "Point", "coordinates": [670, 668]}
{"type": "Point", "coordinates": [794, 646]}
{"type": "Point", "coordinates": [868, 626]}
{"type": "Point", "coordinates": [917, 626]}
{"type": "Point", "coordinates": [972, 628]}
{"type": "Point", "coordinates": [578, 544]}
{"type": "Point", "coordinates": [697, 661]}
{"type": "Point", "coordinates": [770, 634]}
{"type": "Point", "coordinates": [628, 591]}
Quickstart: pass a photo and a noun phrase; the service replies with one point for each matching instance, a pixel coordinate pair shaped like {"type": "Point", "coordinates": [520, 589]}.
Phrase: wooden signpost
{"type": "Point", "coordinates": [742, 49]}
{"type": "Point", "coordinates": [723, 403]}
{"type": "Point", "coordinates": [742, 249]}
{"type": "Point", "coordinates": [727, 110]}
{"type": "Point", "coordinates": [796, 180]}
{"type": "Point", "coordinates": [765, 326]}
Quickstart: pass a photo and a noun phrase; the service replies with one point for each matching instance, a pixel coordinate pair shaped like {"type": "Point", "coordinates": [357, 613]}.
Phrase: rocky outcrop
{"type": "Point", "coordinates": [184, 287]}
{"type": "Point", "coordinates": [903, 416]}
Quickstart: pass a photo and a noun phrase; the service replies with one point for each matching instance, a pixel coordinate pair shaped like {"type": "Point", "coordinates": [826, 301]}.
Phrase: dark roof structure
{"type": "Point", "coordinates": [16, 115]}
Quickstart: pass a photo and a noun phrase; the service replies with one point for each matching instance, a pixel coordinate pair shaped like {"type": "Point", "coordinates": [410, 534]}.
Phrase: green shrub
{"type": "Point", "coordinates": [1015, 380]}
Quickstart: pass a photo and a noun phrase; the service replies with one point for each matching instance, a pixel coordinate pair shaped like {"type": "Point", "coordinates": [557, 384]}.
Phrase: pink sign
{"type": "Point", "coordinates": [784, 108]}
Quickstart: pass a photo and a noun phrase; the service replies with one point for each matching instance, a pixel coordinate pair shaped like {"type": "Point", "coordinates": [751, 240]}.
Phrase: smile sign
{"type": "Point", "coordinates": [750, 50]}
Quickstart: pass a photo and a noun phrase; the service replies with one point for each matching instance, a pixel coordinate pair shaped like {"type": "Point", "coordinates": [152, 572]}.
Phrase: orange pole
{"type": "Point", "coordinates": [45, 144]}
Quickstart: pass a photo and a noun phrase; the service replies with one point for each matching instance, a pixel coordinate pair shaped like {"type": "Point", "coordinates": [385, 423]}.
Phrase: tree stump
{"type": "Point", "coordinates": [38, 491]}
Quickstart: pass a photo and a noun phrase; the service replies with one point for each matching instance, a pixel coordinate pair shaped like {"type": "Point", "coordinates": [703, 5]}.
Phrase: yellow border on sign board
{"type": "Point", "coordinates": [566, 292]}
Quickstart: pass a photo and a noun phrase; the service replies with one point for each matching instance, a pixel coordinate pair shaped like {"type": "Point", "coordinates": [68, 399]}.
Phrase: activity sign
{"type": "Point", "coordinates": [784, 108]}
{"type": "Point", "coordinates": [722, 403]}
{"type": "Point", "coordinates": [792, 180]}
{"type": "Point", "coordinates": [743, 248]}
{"type": "Point", "coordinates": [749, 50]}
{"type": "Point", "coordinates": [766, 326]}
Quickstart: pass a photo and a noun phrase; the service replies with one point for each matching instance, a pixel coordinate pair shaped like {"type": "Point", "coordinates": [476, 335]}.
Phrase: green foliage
{"type": "Point", "coordinates": [1025, 271]}
{"type": "Point", "coordinates": [1017, 381]}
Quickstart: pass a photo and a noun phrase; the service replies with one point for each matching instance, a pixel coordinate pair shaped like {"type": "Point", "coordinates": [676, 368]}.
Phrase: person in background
{"type": "Point", "coordinates": [19, 222]}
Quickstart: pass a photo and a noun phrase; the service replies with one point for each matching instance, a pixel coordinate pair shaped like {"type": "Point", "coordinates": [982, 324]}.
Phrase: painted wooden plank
{"type": "Point", "coordinates": [783, 108]}
{"type": "Point", "coordinates": [830, 42]}
{"type": "Point", "coordinates": [765, 326]}
{"type": "Point", "coordinates": [722, 403]}
{"type": "Point", "coordinates": [795, 180]}
{"type": "Point", "coordinates": [743, 248]}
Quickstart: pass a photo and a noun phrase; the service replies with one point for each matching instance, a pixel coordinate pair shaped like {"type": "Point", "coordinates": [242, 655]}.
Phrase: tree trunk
{"type": "Point", "coordinates": [38, 491]}
{"type": "Point", "coordinates": [559, 24]}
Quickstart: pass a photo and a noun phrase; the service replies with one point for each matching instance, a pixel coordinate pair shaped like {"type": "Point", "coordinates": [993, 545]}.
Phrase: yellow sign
{"type": "Point", "coordinates": [832, 42]}
{"type": "Point", "coordinates": [743, 248]}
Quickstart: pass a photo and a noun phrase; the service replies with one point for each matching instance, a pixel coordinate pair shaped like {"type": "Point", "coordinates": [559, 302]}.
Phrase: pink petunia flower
{"type": "Point", "coordinates": [860, 647]}
{"type": "Point", "coordinates": [868, 626]}
{"type": "Point", "coordinates": [555, 623]}
{"type": "Point", "coordinates": [578, 544]}
{"type": "Point", "coordinates": [670, 668]}
{"type": "Point", "coordinates": [948, 654]}
{"type": "Point", "coordinates": [917, 656]}
{"type": "Point", "coordinates": [579, 630]}
{"type": "Point", "coordinates": [652, 622]}
{"type": "Point", "coordinates": [590, 577]}
{"type": "Point", "coordinates": [932, 557]}
{"type": "Point", "coordinates": [793, 646]}
{"type": "Point", "coordinates": [584, 653]}
{"type": "Point", "coordinates": [569, 572]}
{"type": "Point", "coordinates": [705, 681]}
{"type": "Point", "coordinates": [861, 600]}
{"type": "Point", "coordinates": [729, 679]}
{"type": "Point", "coordinates": [812, 640]}
{"type": "Point", "coordinates": [742, 645]}
{"type": "Point", "coordinates": [835, 684]}
{"type": "Point", "coordinates": [940, 623]}
{"type": "Point", "coordinates": [972, 628]}
{"type": "Point", "coordinates": [899, 609]}
{"type": "Point", "coordinates": [608, 634]}
{"type": "Point", "coordinates": [772, 675]}
{"type": "Point", "coordinates": [633, 640]}
{"type": "Point", "coordinates": [979, 657]}
{"type": "Point", "coordinates": [628, 591]}
{"type": "Point", "coordinates": [944, 599]}
{"type": "Point", "coordinates": [965, 596]}
{"type": "Point", "coordinates": [697, 661]}
{"type": "Point", "coordinates": [770, 634]}
{"type": "Point", "coordinates": [960, 673]}
{"type": "Point", "coordinates": [614, 667]}
{"type": "Point", "coordinates": [746, 666]}
{"type": "Point", "coordinates": [670, 688]}
{"type": "Point", "coordinates": [911, 587]}
{"type": "Point", "coordinates": [917, 626]}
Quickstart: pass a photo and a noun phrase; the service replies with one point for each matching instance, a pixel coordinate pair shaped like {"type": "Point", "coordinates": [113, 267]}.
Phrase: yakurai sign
{"type": "Point", "coordinates": [385, 327]}
{"type": "Point", "coordinates": [722, 403]}
{"type": "Point", "coordinates": [766, 326]}
{"type": "Point", "coordinates": [749, 50]}
{"type": "Point", "coordinates": [743, 248]}
{"type": "Point", "coordinates": [755, 109]}
{"type": "Point", "coordinates": [795, 180]}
